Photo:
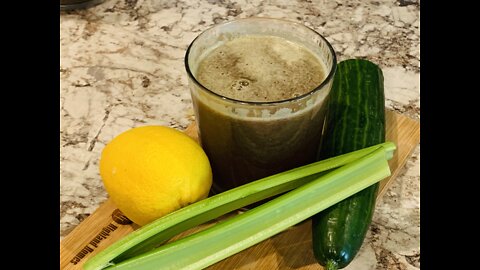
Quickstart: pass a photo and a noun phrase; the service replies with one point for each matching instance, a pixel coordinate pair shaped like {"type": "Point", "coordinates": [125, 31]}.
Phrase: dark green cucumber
{"type": "Point", "coordinates": [355, 119]}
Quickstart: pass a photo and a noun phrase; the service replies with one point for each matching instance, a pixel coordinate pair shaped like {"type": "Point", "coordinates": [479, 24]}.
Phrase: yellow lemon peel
{"type": "Point", "coordinates": [151, 171]}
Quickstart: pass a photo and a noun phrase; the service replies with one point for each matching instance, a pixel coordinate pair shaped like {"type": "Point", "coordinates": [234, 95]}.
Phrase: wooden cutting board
{"type": "Point", "coordinates": [287, 250]}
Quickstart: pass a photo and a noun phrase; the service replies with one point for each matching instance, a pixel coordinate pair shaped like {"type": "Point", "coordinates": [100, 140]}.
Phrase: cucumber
{"type": "Point", "coordinates": [355, 119]}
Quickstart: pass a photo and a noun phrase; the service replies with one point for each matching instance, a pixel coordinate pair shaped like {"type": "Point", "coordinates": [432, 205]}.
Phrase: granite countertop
{"type": "Point", "coordinates": [121, 66]}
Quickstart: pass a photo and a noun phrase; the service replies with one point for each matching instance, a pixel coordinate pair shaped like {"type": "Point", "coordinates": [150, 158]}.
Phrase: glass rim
{"type": "Point", "coordinates": [327, 79]}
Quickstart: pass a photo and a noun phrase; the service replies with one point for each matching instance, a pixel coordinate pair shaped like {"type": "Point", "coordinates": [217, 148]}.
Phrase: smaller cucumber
{"type": "Point", "coordinates": [355, 119]}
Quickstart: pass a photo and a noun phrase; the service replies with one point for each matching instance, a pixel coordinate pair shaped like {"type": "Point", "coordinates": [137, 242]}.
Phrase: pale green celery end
{"type": "Point", "coordinates": [240, 232]}
{"type": "Point", "coordinates": [215, 203]}
{"type": "Point", "coordinates": [390, 148]}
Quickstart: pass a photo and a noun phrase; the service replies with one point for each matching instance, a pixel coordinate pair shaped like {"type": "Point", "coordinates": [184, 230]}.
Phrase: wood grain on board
{"type": "Point", "coordinates": [286, 250]}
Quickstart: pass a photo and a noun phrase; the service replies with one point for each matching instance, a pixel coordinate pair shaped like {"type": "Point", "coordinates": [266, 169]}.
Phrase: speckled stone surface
{"type": "Point", "coordinates": [121, 66]}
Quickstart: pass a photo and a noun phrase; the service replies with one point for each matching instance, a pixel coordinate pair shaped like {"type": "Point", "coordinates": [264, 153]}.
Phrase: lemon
{"type": "Point", "coordinates": [151, 171]}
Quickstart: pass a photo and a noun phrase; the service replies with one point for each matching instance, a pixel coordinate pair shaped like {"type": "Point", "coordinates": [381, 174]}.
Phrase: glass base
{"type": "Point", "coordinates": [78, 4]}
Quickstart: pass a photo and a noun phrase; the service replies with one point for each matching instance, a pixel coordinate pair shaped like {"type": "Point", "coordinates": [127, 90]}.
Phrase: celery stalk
{"type": "Point", "coordinates": [319, 179]}
{"type": "Point", "coordinates": [207, 247]}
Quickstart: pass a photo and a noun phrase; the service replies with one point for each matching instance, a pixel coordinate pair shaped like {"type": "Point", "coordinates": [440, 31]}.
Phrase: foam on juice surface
{"type": "Point", "coordinates": [261, 69]}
